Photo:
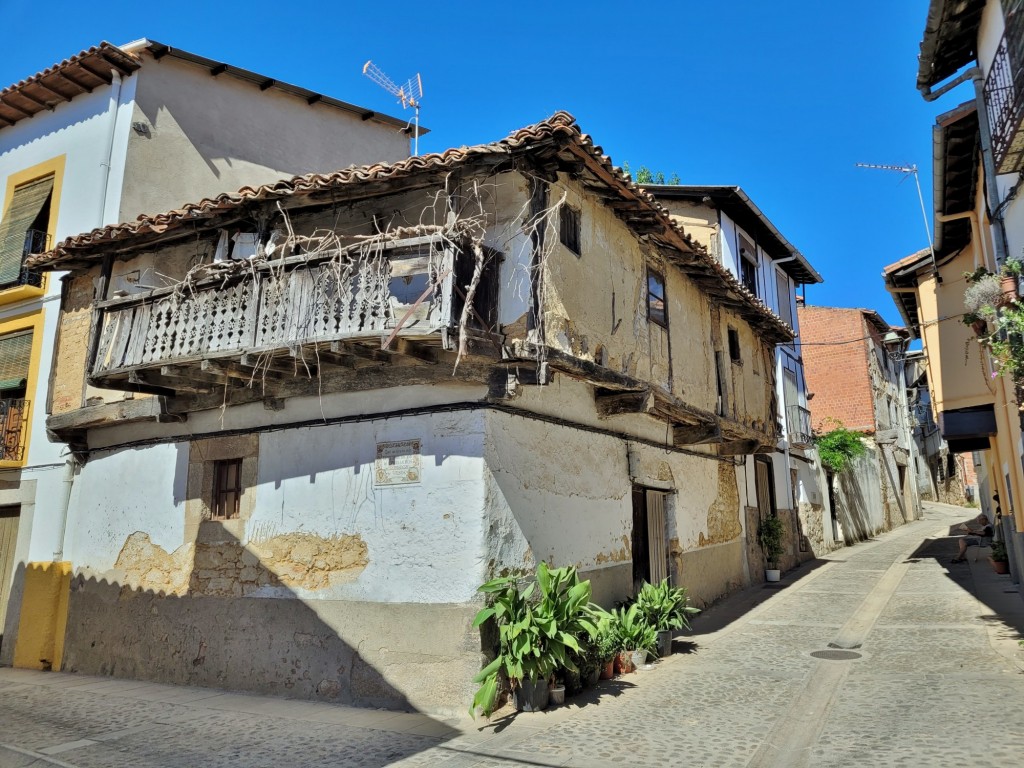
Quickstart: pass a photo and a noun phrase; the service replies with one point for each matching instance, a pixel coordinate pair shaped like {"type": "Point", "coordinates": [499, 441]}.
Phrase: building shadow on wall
{"type": "Point", "coordinates": [236, 625]}
{"type": "Point", "coordinates": [852, 506]}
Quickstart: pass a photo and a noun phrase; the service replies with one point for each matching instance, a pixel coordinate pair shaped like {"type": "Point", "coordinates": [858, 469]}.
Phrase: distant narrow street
{"type": "Point", "coordinates": [911, 651]}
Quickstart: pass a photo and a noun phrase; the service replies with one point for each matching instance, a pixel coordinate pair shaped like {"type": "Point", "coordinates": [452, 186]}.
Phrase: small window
{"type": "Point", "coordinates": [569, 228]}
{"type": "Point", "coordinates": [748, 271]}
{"type": "Point", "coordinates": [227, 489]}
{"type": "Point", "coordinates": [656, 299]}
{"type": "Point", "coordinates": [734, 346]}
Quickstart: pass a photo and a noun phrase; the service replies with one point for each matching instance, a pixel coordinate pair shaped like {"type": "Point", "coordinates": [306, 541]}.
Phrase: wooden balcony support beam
{"type": "Point", "coordinates": [230, 370]}
{"type": "Point", "coordinates": [615, 403]}
{"type": "Point", "coordinates": [700, 434]}
{"type": "Point", "coordinates": [168, 384]}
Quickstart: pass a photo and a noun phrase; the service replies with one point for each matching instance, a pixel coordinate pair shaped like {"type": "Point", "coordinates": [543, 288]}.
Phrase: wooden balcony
{"type": "Point", "coordinates": [283, 319]}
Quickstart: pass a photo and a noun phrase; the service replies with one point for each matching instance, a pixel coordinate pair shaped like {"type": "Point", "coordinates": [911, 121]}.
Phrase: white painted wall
{"type": "Point", "coordinates": [209, 135]}
{"type": "Point", "coordinates": [148, 495]}
{"type": "Point", "coordinates": [730, 246]}
{"type": "Point", "coordinates": [424, 541]}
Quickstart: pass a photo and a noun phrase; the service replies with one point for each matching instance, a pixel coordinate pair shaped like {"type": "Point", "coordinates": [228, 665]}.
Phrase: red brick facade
{"type": "Point", "coordinates": [837, 374]}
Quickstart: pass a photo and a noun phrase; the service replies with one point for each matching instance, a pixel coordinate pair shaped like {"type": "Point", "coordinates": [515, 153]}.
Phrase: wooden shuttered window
{"type": "Point", "coordinates": [227, 489]}
{"type": "Point", "coordinates": [17, 224]}
{"type": "Point", "coordinates": [15, 356]}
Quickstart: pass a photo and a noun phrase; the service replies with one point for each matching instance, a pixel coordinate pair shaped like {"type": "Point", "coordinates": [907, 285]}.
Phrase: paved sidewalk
{"type": "Point", "coordinates": [933, 655]}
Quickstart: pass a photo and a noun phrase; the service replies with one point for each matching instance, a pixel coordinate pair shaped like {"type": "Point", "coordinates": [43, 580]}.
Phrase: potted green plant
{"type": "Point", "coordinates": [769, 536]}
{"type": "Point", "coordinates": [999, 557]}
{"type": "Point", "coordinates": [666, 608]}
{"type": "Point", "coordinates": [535, 634]}
{"type": "Point", "coordinates": [636, 637]}
{"type": "Point", "coordinates": [607, 647]}
{"type": "Point", "coordinates": [983, 295]}
{"type": "Point", "coordinates": [1009, 279]}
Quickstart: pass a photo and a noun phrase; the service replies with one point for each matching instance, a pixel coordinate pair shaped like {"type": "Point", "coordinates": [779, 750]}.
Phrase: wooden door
{"type": "Point", "coordinates": [9, 517]}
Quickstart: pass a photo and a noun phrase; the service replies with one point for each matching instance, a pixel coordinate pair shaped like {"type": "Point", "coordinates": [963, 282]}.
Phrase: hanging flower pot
{"type": "Point", "coordinates": [1008, 286]}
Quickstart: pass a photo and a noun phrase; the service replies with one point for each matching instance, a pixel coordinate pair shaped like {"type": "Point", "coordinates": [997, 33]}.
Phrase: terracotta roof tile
{"type": "Point", "coordinates": [72, 77]}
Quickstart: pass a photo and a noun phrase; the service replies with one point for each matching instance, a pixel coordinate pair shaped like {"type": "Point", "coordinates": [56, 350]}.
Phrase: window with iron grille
{"type": "Point", "coordinates": [656, 299]}
{"type": "Point", "coordinates": [15, 357]}
{"type": "Point", "coordinates": [23, 231]}
{"type": "Point", "coordinates": [227, 489]}
{"type": "Point", "coordinates": [569, 228]}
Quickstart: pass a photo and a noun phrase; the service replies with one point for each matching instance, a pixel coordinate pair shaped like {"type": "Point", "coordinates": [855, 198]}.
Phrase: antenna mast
{"type": "Point", "coordinates": [905, 169]}
{"type": "Point", "coordinates": [408, 95]}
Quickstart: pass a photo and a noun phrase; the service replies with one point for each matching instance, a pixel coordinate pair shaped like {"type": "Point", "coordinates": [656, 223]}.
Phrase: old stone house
{"type": "Point", "coordinates": [357, 395]}
{"type": "Point", "coordinates": [99, 138]}
{"type": "Point", "coordinates": [855, 364]}
{"type": "Point", "coordinates": [788, 482]}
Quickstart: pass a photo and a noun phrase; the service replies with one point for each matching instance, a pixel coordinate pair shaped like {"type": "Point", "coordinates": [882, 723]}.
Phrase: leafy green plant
{"type": "Point", "coordinates": [632, 630]}
{"type": "Point", "coordinates": [999, 553]}
{"type": "Point", "coordinates": [537, 635]}
{"type": "Point", "coordinates": [976, 275]}
{"type": "Point", "coordinates": [838, 448]}
{"type": "Point", "coordinates": [1012, 268]}
{"type": "Point", "coordinates": [665, 607]}
{"type": "Point", "coordinates": [769, 536]}
{"type": "Point", "coordinates": [645, 175]}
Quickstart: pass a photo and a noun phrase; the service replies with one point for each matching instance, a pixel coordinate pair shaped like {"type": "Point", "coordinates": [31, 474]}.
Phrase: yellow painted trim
{"type": "Point", "coordinates": [44, 616]}
{"type": "Point", "coordinates": [55, 168]}
{"type": "Point", "coordinates": [32, 321]}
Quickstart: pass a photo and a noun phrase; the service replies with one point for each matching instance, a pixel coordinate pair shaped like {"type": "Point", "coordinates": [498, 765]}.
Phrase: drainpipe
{"type": "Point", "coordinates": [115, 102]}
{"type": "Point", "coordinates": [992, 201]}
{"type": "Point", "coordinates": [71, 465]}
{"type": "Point", "coordinates": [65, 501]}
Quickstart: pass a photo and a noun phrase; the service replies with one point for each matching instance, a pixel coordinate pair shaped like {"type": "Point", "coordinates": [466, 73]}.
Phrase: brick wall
{"type": "Point", "coordinates": [837, 374]}
{"type": "Point", "coordinates": [72, 341]}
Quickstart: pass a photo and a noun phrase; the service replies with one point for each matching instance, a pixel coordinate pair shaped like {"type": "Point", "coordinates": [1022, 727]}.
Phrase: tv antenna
{"type": "Point", "coordinates": [408, 95]}
{"type": "Point", "coordinates": [905, 170]}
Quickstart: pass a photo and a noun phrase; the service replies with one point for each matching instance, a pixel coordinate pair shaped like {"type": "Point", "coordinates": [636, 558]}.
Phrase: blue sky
{"type": "Point", "coordinates": [781, 98]}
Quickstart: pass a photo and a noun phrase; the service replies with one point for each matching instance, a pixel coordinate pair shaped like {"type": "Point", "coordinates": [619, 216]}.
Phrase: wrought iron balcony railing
{"type": "Point", "coordinates": [798, 427]}
{"type": "Point", "coordinates": [13, 428]}
{"type": "Point", "coordinates": [1004, 98]}
{"type": "Point", "coordinates": [33, 241]}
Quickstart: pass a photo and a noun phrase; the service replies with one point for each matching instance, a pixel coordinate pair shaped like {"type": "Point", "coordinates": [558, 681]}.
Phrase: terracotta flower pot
{"type": "Point", "coordinates": [1008, 285]}
{"type": "Point", "coordinates": [608, 670]}
{"type": "Point", "coordinates": [980, 327]}
{"type": "Point", "coordinates": [1000, 566]}
{"type": "Point", "coordinates": [624, 662]}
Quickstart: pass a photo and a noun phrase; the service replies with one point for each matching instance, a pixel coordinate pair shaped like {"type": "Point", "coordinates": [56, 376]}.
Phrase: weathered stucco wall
{"type": "Point", "coordinates": [563, 495]}
{"type": "Point", "coordinates": [859, 504]}
{"type": "Point", "coordinates": [162, 593]}
{"type": "Point", "coordinates": [613, 326]}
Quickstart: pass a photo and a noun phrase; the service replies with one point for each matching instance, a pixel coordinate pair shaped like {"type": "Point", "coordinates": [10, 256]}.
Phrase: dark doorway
{"type": "Point", "coordinates": [650, 543]}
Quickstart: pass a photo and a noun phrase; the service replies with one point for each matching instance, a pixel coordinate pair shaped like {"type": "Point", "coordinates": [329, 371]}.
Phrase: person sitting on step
{"type": "Point", "coordinates": [981, 530]}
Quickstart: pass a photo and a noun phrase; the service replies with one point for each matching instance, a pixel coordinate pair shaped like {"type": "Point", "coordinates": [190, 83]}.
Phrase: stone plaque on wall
{"type": "Point", "coordinates": [398, 463]}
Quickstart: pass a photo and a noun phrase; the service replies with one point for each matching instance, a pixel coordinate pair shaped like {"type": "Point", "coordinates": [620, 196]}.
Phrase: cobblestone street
{"type": "Point", "coordinates": [934, 660]}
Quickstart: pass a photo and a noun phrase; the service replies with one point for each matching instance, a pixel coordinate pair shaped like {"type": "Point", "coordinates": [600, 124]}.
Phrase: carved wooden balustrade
{"type": "Point", "coordinates": [328, 308]}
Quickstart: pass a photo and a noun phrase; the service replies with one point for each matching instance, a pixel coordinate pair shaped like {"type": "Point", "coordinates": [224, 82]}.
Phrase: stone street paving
{"type": "Point", "coordinates": [916, 661]}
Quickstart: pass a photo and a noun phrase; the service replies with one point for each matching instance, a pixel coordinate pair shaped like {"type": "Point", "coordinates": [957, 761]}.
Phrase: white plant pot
{"type": "Point", "coordinates": [772, 574]}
